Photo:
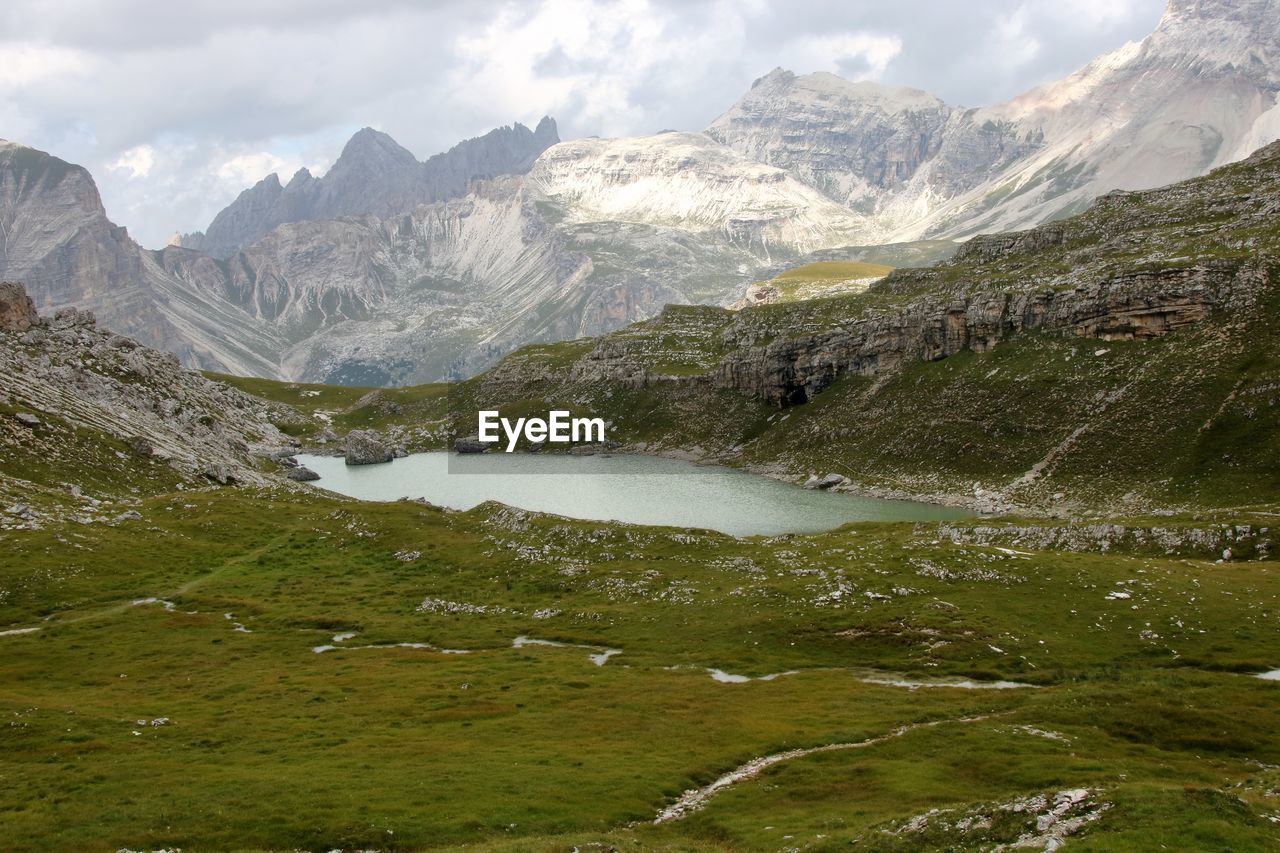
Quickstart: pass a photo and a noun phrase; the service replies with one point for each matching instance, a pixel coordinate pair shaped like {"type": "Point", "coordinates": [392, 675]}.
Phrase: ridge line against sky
{"type": "Point", "coordinates": [176, 108]}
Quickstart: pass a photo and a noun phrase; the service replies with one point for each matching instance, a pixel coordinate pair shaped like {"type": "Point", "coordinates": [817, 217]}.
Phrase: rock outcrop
{"type": "Point", "coordinates": [17, 311]}
{"type": "Point", "coordinates": [1130, 306]}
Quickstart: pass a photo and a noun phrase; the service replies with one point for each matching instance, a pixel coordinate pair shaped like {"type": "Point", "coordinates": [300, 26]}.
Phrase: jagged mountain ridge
{"type": "Point", "coordinates": [600, 233]}
{"type": "Point", "coordinates": [374, 174]}
{"type": "Point", "coordinates": [1199, 92]}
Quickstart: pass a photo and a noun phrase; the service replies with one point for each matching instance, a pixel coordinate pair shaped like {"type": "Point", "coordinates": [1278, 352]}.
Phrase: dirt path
{"type": "Point", "coordinates": [695, 799]}
{"type": "Point", "coordinates": [123, 606]}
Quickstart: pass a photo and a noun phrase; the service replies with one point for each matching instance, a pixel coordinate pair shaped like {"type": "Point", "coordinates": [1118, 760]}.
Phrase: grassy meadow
{"type": "Point", "coordinates": [204, 615]}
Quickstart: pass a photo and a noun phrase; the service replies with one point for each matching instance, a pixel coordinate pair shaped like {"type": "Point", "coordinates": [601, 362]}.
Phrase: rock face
{"type": "Point", "coordinates": [61, 245]}
{"type": "Point", "coordinates": [373, 175]}
{"type": "Point", "coordinates": [1136, 118]}
{"type": "Point", "coordinates": [366, 447]}
{"type": "Point", "coordinates": [981, 296]}
{"type": "Point", "coordinates": [17, 312]}
{"type": "Point", "coordinates": [689, 180]}
{"type": "Point", "coordinates": [1127, 307]}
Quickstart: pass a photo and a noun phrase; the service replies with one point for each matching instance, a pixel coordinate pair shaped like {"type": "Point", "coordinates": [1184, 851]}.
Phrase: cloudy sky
{"type": "Point", "coordinates": [176, 107]}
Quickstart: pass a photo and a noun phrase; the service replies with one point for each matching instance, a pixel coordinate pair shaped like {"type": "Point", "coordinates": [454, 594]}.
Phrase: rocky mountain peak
{"type": "Point", "coordinates": [373, 150]}
{"type": "Point", "coordinates": [822, 86]}
{"type": "Point", "coordinates": [27, 174]}
{"type": "Point", "coordinates": [373, 175]}
{"type": "Point", "coordinates": [1237, 34]}
{"type": "Point", "coordinates": [851, 140]}
{"type": "Point", "coordinates": [300, 177]}
{"type": "Point", "coordinates": [1253, 12]}
{"type": "Point", "coordinates": [546, 131]}
{"type": "Point", "coordinates": [777, 77]}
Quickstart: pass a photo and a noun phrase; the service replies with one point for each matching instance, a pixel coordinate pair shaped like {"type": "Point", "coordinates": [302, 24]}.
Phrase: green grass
{"type": "Point", "coordinates": [344, 408]}
{"type": "Point", "coordinates": [823, 279]}
{"type": "Point", "coordinates": [272, 746]}
{"type": "Point", "coordinates": [834, 270]}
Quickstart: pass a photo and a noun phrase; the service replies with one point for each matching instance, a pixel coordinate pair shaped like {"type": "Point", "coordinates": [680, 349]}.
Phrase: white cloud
{"type": "Point", "coordinates": [1013, 45]}
{"type": "Point", "coordinates": [248, 169]}
{"type": "Point", "coordinates": [1101, 12]}
{"type": "Point", "coordinates": [868, 52]}
{"type": "Point", "coordinates": [137, 161]}
{"type": "Point", "coordinates": [26, 63]}
{"type": "Point", "coordinates": [593, 60]}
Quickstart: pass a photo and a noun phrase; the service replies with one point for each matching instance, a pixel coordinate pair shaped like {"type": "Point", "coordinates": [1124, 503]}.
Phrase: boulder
{"type": "Point", "coordinates": [470, 444]}
{"type": "Point", "coordinates": [17, 311]}
{"type": "Point", "coordinates": [366, 447]}
{"type": "Point", "coordinates": [302, 474]}
{"type": "Point", "coordinates": [122, 342]}
{"type": "Point", "coordinates": [27, 419]}
{"type": "Point", "coordinates": [141, 446]}
{"type": "Point", "coordinates": [221, 474]}
{"type": "Point", "coordinates": [73, 318]}
{"type": "Point", "coordinates": [830, 481]}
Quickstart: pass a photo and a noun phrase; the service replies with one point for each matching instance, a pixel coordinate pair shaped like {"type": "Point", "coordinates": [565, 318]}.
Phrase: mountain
{"type": "Point", "coordinates": [1199, 92]}
{"type": "Point", "coordinates": [374, 174]}
{"type": "Point", "coordinates": [690, 182]}
{"type": "Point", "coordinates": [1126, 357]}
{"type": "Point", "coordinates": [387, 270]}
{"type": "Point", "coordinates": [58, 241]}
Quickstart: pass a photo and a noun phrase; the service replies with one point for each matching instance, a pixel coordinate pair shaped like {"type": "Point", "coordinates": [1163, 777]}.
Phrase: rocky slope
{"type": "Point", "coordinates": [374, 174]}
{"type": "Point", "coordinates": [1199, 92]}
{"type": "Point", "coordinates": [1031, 364]}
{"type": "Point", "coordinates": [58, 241]}
{"type": "Point", "coordinates": [87, 415]}
{"type": "Point", "coordinates": [439, 291]}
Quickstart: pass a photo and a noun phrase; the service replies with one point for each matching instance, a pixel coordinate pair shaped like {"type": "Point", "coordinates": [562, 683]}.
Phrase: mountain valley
{"type": "Point", "coordinates": [1052, 324]}
{"type": "Point", "coordinates": [388, 270]}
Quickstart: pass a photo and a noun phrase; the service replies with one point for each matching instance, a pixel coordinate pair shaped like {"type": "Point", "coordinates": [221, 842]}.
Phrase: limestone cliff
{"type": "Point", "coordinates": [1199, 92]}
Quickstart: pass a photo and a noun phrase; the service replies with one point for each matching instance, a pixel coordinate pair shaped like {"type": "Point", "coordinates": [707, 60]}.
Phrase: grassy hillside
{"type": "Point", "coordinates": [417, 411]}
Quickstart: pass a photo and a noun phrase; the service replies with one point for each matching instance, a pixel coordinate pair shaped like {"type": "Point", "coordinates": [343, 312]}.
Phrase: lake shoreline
{"type": "Point", "coordinates": [635, 488]}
